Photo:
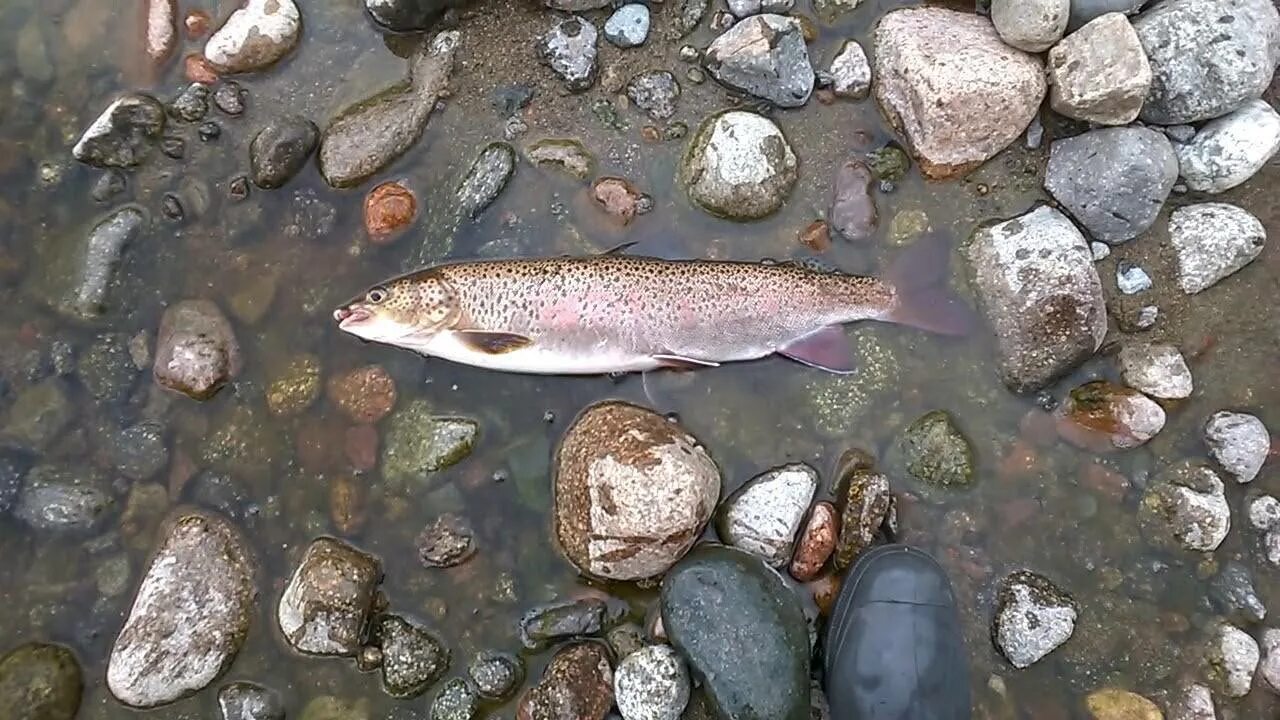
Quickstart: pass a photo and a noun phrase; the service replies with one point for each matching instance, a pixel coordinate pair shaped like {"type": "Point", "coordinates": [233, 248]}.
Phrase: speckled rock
{"type": "Point", "coordinates": [1030, 25]}
{"type": "Point", "coordinates": [1033, 617]}
{"type": "Point", "coordinates": [457, 700]}
{"type": "Point", "coordinates": [255, 36]}
{"type": "Point", "coordinates": [950, 85]}
{"type": "Point", "coordinates": [655, 92]}
{"type": "Point", "coordinates": [1156, 369]}
{"type": "Point", "coordinates": [39, 681]}
{"type": "Point", "coordinates": [764, 56]}
{"type": "Point", "coordinates": [1117, 704]}
{"type": "Point", "coordinates": [123, 134]}
{"type": "Point", "coordinates": [413, 658]}
{"type": "Point", "coordinates": [851, 71]}
{"type": "Point", "coordinates": [196, 349]}
{"type": "Point", "coordinates": [496, 675]}
{"type": "Point", "coordinates": [1229, 150]}
{"type": "Point", "coordinates": [577, 685]}
{"type": "Point", "coordinates": [190, 616]}
{"type": "Point", "coordinates": [1232, 593]}
{"type": "Point", "coordinates": [1035, 278]}
{"type": "Point", "coordinates": [546, 624]}
{"type": "Point", "coordinates": [488, 176]}
{"type": "Point", "coordinates": [651, 684]}
{"type": "Point", "coordinates": [1212, 241]}
{"type": "Point", "coordinates": [569, 49]}
{"type": "Point", "coordinates": [633, 491]}
{"type": "Point", "coordinates": [866, 505]}
{"type": "Point", "coordinates": [1264, 512]}
{"type": "Point", "coordinates": [249, 701]}
{"type": "Point", "coordinates": [739, 166]}
{"type": "Point", "coordinates": [1131, 279]}
{"type": "Point", "coordinates": [139, 451]}
{"type": "Point", "coordinates": [417, 444]}
{"type": "Point", "coordinates": [1100, 73]}
{"type": "Point", "coordinates": [364, 394]}
{"type": "Point", "coordinates": [281, 149]}
{"type": "Point", "coordinates": [1193, 702]}
{"type": "Point", "coordinates": [816, 543]}
{"type": "Point", "coordinates": [1103, 417]}
{"type": "Point", "coordinates": [1231, 658]}
{"type": "Point", "coordinates": [933, 450]}
{"type": "Point", "coordinates": [1184, 506]}
{"type": "Point", "coordinates": [765, 514]}
{"type": "Point", "coordinates": [628, 26]}
{"type": "Point", "coordinates": [1270, 665]}
{"type": "Point", "coordinates": [1239, 442]}
{"type": "Point", "coordinates": [1208, 57]}
{"type": "Point", "coordinates": [295, 387]}
{"type": "Point", "coordinates": [325, 607]}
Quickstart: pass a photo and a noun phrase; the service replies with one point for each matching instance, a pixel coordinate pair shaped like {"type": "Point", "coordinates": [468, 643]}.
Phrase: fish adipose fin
{"type": "Point", "coordinates": [918, 276]}
{"type": "Point", "coordinates": [679, 362]}
{"type": "Point", "coordinates": [827, 349]}
{"type": "Point", "coordinates": [492, 343]}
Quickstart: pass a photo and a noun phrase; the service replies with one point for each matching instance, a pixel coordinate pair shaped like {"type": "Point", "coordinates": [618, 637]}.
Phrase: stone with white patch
{"type": "Point", "coordinates": [764, 515]}
{"type": "Point", "coordinates": [851, 72]}
{"type": "Point", "coordinates": [1033, 618]}
{"type": "Point", "coordinates": [325, 607]}
{"type": "Point", "coordinates": [651, 683]}
{"type": "Point", "coordinates": [1185, 506]}
{"type": "Point", "coordinates": [739, 166]}
{"type": "Point", "coordinates": [1231, 660]}
{"type": "Point", "coordinates": [1212, 241]}
{"type": "Point", "coordinates": [1239, 442]}
{"type": "Point", "coordinates": [1264, 513]}
{"type": "Point", "coordinates": [255, 36]}
{"type": "Point", "coordinates": [1231, 149]}
{"type": "Point", "coordinates": [1156, 369]}
{"type": "Point", "coordinates": [1194, 702]}
{"type": "Point", "coordinates": [1270, 665]}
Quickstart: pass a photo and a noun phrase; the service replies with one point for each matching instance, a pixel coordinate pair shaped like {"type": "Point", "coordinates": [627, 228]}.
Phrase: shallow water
{"type": "Point", "coordinates": [1143, 612]}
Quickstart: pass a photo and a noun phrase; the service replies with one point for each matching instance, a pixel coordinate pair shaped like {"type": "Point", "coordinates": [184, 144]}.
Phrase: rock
{"type": "Point", "coordinates": [82, 270]}
{"type": "Point", "coordinates": [744, 8]}
{"type": "Point", "coordinates": [1270, 666]}
{"type": "Point", "coordinates": [625, 639]}
{"type": "Point", "coordinates": [651, 684]}
{"type": "Point", "coordinates": [255, 36]}
{"type": "Point", "coordinates": [851, 72]}
{"type": "Point", "coordinates": [40, 682]}
{"type": "Point", "coordinates": [1231, 592]}
{"type": "Point", "coordinates": [192, 105]}
{"type": "Point", "coordinates": [295, 387]}
{"type": "Point", "coordinates": [566, 156]}
{"type": "Point", "coordinates": [688, 13]}
{"type": "Point", "coordinates": [369, 135]}
{"type": "Point", "coordinates": [853, 207]}
{"type": "Point", "coordinates": [1264, 513]}
{"type": "Point", "coordinates": [413, 658]}
{"type": "Point", "coordinates": [496, 675]}
{"type": "Point", "coordinates": [576, 5]}
{"type": "Point", "coordinates": [1208, 57]}
{"type": "Point", "coordinates": [1102, 417]}
{"type": "Point", "coordinates": [249, 701]}
{"type": "Point", "coordinates": [190, 616]}
{"type": "Point", "coordinates": [1131, 279]}
{"type": "Point", "coordinates": [932, 449]}
{"type": "Point", "coordinates": [765, 514]}
{"type": "Point", "coordinates": [1230, 661]}
{"type": "Point", "coordinates": [619, 198]}
{"type": "Point", "coordinates": [1231, 149]}
{"type": "Point", "coordinates": [326, 605]}
{"type": "Point", "coordinates": [1184, 506]}
{"type": "Point", "coordinates": [1083, 11]}
{"type": "Point", "coordinates": [107, 369]}
{"type": "Point", "coordinates": [39, 415]}
{"type": "Point", "coordinates": [633, 491]}
{"type": "Point", "coordinates": [139, 451]}
{"type": "Point", "coordinates": [406, 15]}
{"type": "Point", "coordinates": [867, 504]}
{"type": "Point", "coordinates": [1212, 241]}
{"type": "Point", "coordinates": [817, 542]}
{"type": "Point", "coordinates": [60, 498]}
{"type": "Point", "coordinates": [1194, 702]}
{"type": "Point", "coordinates": [1113, 180]}
{"type": "Point", "coordinates": [1239, 442]}
{"type": "Point", "coordinates": [952, 87]}
{"type": "Point", "coordinates": [365, 394]}
{"type": "Point", "coordinates": [1035, 279]}
{"type": "Point", "coordinates": [417, 444]}
{"type": "Point", "coordinates": [764, 56]}
{"type": "Point", "coordinates": [569, 49]}
{"type": "Point", "coordinates": [13, 469]}
{"type": "Point", "coordinates": [628, 26]}
{"type": "Point", "coordinates": [456, 701]}
{"type": "Point", "coordinates": [486, 179]}
{"type": "Point", "coordinates": [720, 605]}
{"type": "Point", "coordinates": [388, 208]}
{"type": "Point", "coordinates": [739, 166]}
{"type": "Point", "coordinates": [1100, 73]}
{"type": "Point", "coordinates": [1030, 25]}
{"type": "Point", "coordinates": [1157, 370]}
{"type": "Point", "coordinates": [655, 92]}
{"type": "Point", "coordinates": [122, 134]}
{"type": "Point", "coordinates": [196, 349]}
{"type": "Point", "coordinates": [577, 685]}
{"type": "Point", "coordinates": [447, 542]}
{"type": "Point", "coordinates": [281, 149]}
{"type": "Point", "coordinates": [1117, 704]}
{"type": "Point", "coordinates": [1033, 618]}
{"type": "Point", "coordinates": [229, 98]}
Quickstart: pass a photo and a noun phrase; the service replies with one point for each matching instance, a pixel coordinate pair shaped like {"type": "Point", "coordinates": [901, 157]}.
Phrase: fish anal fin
{"type": "Point", "coordinates": [492, 343]}
{"type": "Point", "coordinates": [680, 362]}
{"type": "Point", "coordinates": [826, 349]}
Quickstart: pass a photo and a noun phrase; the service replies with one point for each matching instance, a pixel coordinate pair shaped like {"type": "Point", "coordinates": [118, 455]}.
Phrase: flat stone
{"type": "Point", "coordinates": [255, 36]}
{"type": "Point", "coordinates": [1231, 149]}
{"type": "Point", "coordinates": [765, 514]}
{"type": "Point", "coordinates": [1030, 25]}
{"type": "Point", "coordinates": [739, 166]}
{"type": "Point", "coordinates": [1239, 442]}
{"type": "Point", "coordinates": [1100, 73]}
{"type": "Point", "coordinates": [1212, 241]}
{"type": "Point", "coordinates": [325, 607]}
{"type": "Point", "coordinates": [764, 56]}
{"type": "Point", "coordinates": [1157, 370]}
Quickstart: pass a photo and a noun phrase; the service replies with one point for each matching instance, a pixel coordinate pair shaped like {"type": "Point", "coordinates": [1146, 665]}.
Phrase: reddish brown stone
{"type": "Point", "coordinates": [817, 542]}
{"type": "Point", "coordinates": [1019, 461]}
{"type": "Point", "coordinates": [1102, 479]}
{"type": "Point", "coordinates": [816, 236]}
{"type": "Point", "coordinates": [578, 685]}
{"type": "Point", "coordinates": [197, 69]}
{"type": "Point", "coordinates": [649, 133]}
{"type": "Point", "coordinates": [618, 197]}
{"type": "Point", "coordinates": [388, 209]}
{"type": "Point", "coordinates": [365, 394]}
{"type": "Point", "coordinates": [362, 447]}
{"type": "Point", "coordinates": [196, 23]}
{"type": "Point", "coordinates": [347, 505]}
{"type": "Point", "coordinates": [1104, 417]}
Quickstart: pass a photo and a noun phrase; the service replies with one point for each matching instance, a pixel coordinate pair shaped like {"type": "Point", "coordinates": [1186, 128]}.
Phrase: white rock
{"type": "Point", "coordinates": [1186, 506]}
{"type": "Point", "coordinates": [739, 166]}
{"type": "Point", "coordinates": [1231, 660]}
{"type": "Point", "coordinates": [255, 36]}
{"type": "Point", "coordinates": [851, 72]}
{"type": "Point", "coordinates": [1271, 543]}
{"type": "Point", "coordinates": [325, 608]}
{"type": "Point", "coordinates": [1131, 279]}
{"type": "Point", "coordinates": [765, 56]}
{"type": "Point", "coordinates": [1031, 25]}
{"type": "Point", "coordinates": [1157, 370]}
{"type": "Point", "coordinates": [764, 515]}
{"type": "Point", "coordinates": [1195, 702]}
{"type": "Point", "coordinates": [651, 683]}
{"type": "Point", "coordinates": [1212, 241]}
{"type": "Point", "coordinates": [1239, 442]}
{"type": "Point", "coordinates": [628, 26]}
{"type": "Point", "coordinates": [1032, 619]}
{"type": "Point", "coordinates": [1100, 250]}
{"type": "Point", "coordinates": [1264, 513]}
{"type": "Point", "coordinates": [1231, 149]}
{"type": "Point", "coordinates": [1270, 667]}
{"type": "Point", "coordinates": [1100, 72]}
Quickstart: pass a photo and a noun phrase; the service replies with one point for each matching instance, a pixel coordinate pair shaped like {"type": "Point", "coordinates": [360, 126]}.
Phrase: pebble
{"type": "Point", "coordinates": [721, 21]}
{"type": "Point", "coordinates": [817, 542]}
{"type": "Point", "coordinates": [853, 206]}
{"type": "Point", "coordinates": [1033, 618]}
{"type": "Point", "coordinates": [413, 658]}
{"type": "Point", "coordinates": [569, 48]}
{"type": "Point", "coordinates": [577, 684]}
{"type": "Point", "coordinates": [1113, 180]}
{"type": "Point", "coordinates": [563, 155]}
{"type": "Point", "coordinates": [190, 616]}
{"type": "Point", "coordinates": [1156, 369]}
{"type": "Point", "coordinates": [249, 701]}
{"type": "Point", "coordinates": [1102, 417]}
{"type": "Point", "coordinates": [209, 131]}
{"type": "Point", "coordinates": [765, 514]}
{"type": "Point", "coordinates": [196, 349]}
{"type": "Point", "coordinates": [447, 542]}
{"type": "Point", "coordinates": [326, 604]}
{"type": "Point", "coordinates": [196, 69]}
{"type": "Point", "coordinates": [418, 444]}
{"type": "Point", "coordinates": [280, 150]}
{"type": "Point", "coordinates": [1212, 241]}
{"type": "Point", "coordinates": [619, 198]}
{"type": "Point", "coordinates": [1238, 442]}
{"type": "Point", "coordinates": [161, 29]}
{"type": "Point", "coordinates": [1232, 593]}
{"type": "Point", "coordinates": [1083, 11]}
{"type": "Point", "coordinates": [171, 208]}
{"type": "Point", "coordinates": [255, 36]}
{"type": "Point", "coordinates": [457, 700]}
{"type": "Point", "coordinates": [365, 394]}
{"type": "Point", "coordinates": [108, 185]}
{"type": "Point", "coordinates": [933, 450]}
{"type": "Point", "coordinates": [1208, 57]}
{"type": "Point", "coordinates": [764, 56]}
{"type": "Point", "coordinates": [1131, 279]}
{"type": "Point", "coordinates": [816, 236]}
{"type": "Point", "coordinates": [628, 26]}
{"type": "Point", "coordinates": [39, 414]}
{"type": "Point", "coordinates": [851, 72]}
{"type": "Point", "coordinates": [655, 92]}
{"type": "Point", "coordinates": [1230, 661]}
{"type": "Point", "coordinates": [1030, 25]}
{"type": "Point", "coordinates": [1194, 702]}
{"type": "Point", "coordinates": [1270, 666]}
{"type": "Point", "coordinates": [867, 504]}
{"type": "Point", "coordinates": [496, 675]}
{"type": "Point", "coordinates": [389, 208]}
{"type": "Point", "coordinates": [1099, 73]}
{"type": "Point", "coordinates": [948, 82]}
{"type": "Point", "coordinates": [739, 166]}
{"type": "Point", "coordinates": [121, 135]}
{"type": "Point", "coordinates": [652, 684]}
{"type": "Point", "coordinates": [229, 98]}
{"type": "Point", "coordinates": [192, 105]}
{"type": "Point", "coordinates": [1100, 250]}
{"type": "Point", "coordinates": [60, 499]}
{"type": "Point", "coordinates": [1117, 704]}
{"type": "Point", "coordinates": [1231, 149]}
{"type": "Point", "coordinates": [1264, 513]}
{"type": "Point", "coordinates": [40, 681]}
{"type": "Point", "coordinates": [688, 13]}
{"type": "Point", "coordinates": [1184, 506]}
{"type": "Point", "coordinates": [295, 387]}
{"type": "Point", "coordinates": [173, 147]}
{"type": "Point", "coordinates": [486, 179]}
{"type": "Point", "coordinates": [139, 451]}
{"type": "Point", "coordinates": [405, 16]}
{"type": "Point", "coordinates": [659, 500]}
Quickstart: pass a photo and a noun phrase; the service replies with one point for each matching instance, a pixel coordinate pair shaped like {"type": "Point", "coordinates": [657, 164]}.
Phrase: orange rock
{"type": "Point", "coordinates": [816, 236]}
{"type": "Point", "coordinates": [346, 505]}
{"type": "Point", "coordinates": [199, 70]}
{"type": "Point", "coordinates": [1019, 461]}
{"type": "Point", "coordinates": [197, 23]}
{"type": "Point", "coordinates": [618, 197]}
{"type": "Point", "coordinates": [365, 394]}
{"type": "Point", "coordinates": [389, 208]}
{"type": "Point", "coordinates": [817, 542]}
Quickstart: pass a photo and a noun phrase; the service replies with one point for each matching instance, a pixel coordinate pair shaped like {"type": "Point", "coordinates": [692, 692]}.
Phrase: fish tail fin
{"type": "Point", "coordinates": [923, 299]}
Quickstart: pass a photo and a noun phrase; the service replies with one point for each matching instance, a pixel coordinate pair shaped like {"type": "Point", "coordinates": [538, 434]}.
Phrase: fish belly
{"type": "Point", "coordinates": [538, 360]}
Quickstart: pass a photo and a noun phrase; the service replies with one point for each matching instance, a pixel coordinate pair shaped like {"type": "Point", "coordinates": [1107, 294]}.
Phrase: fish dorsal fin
{"type": "Point", "coordinates": [680, 362]}
{"type": "Point", "coordinates": [826, 349]}
{"type": "Point", "coordinates": [492, 343]}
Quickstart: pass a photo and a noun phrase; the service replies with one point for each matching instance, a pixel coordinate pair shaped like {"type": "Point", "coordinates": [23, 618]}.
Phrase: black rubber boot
{"type": "Point", "coordinates": [894, 649]}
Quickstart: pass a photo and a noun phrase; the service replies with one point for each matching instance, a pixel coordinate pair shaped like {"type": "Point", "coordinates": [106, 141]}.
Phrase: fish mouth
{"type": "Point", "coordinates": [351, 315]}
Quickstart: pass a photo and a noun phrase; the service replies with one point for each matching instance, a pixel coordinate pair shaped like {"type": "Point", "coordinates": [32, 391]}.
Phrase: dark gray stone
{"type": "Point", "coordinates": [765, 56]}
{"type": "Point", "coordinates": [249, 701]}
{"type": "Point", "coordinates": [655, 92]}
{"type": "Point", "coordinates": [280, 149]}
{"type": "Point", "coordinates": [407, 15]}
{"type": "Point", "coordinates": [81, 269]}
{"type": "Point", "coordinates": [1232, 593]}
{"type": "Point", "coordinates": [139, 451]}
{"type": "Point", "coordinates": [1082, 11]}
{"type": "Point", "coordinates": [546, 624]}
{"type": "Point", "coordinates": [122, 134]}
{"type": "Point", "coordinates": [488, 176]}
{"type": "Point", "coordinates": [192, 104]}
{"type": "Point", "coordinates": [61, 498]}
{"type": "Point", "coordinates": [40, 682]}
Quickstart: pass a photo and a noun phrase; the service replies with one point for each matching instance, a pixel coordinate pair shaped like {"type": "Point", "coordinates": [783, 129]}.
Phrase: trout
{"type": "Point", "coordinates": [623, 313]}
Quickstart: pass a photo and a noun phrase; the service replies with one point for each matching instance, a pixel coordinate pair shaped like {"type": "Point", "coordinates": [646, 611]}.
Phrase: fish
{"type": "Point", "coordinates": [619, 313]}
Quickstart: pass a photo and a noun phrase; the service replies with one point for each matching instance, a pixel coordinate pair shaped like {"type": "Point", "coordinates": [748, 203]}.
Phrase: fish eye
{"type": "Point", "coordinates": [377, 295]}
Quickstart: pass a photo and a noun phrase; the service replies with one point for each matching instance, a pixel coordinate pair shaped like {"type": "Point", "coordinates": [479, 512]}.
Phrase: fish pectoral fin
{"type": "Point", "coordinates": [680, 362]}
{"type": "Point", "coordinates": [492, 343]}
{"type": "Point", "coordinates": [826, 349]}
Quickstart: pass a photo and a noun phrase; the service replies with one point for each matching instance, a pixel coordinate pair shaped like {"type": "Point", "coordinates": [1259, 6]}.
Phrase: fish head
{"type": "Point", "coordinates": [406, 311]}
